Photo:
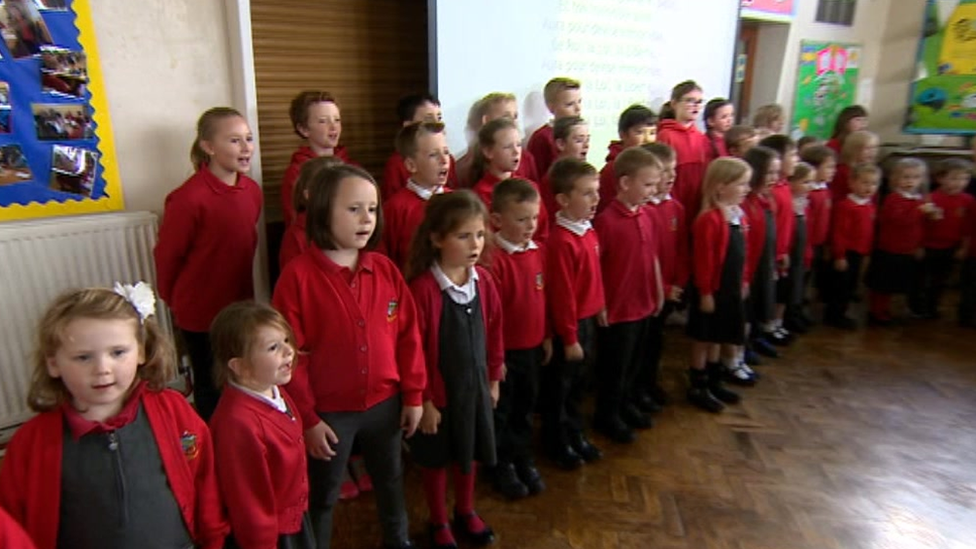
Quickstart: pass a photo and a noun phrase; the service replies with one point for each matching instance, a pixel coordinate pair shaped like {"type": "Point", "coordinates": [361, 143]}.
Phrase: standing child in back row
{"type": "Point", "coordinates": [563, 98]}
{"type": "Point", "coordinates": [637, 125]}
{"type": "Point", "coordinates": [488, 108]}
{"type": "Point", "coordinates": [689, 144]}
{"type": "Point", "coordinates": [572, 135]}
{"type": "Point", "coordinates": [413, 109]}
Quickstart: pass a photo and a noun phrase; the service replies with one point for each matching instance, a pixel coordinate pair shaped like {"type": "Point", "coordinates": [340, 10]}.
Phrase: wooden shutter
{"type": "Point", "coordinates": [368, 53]}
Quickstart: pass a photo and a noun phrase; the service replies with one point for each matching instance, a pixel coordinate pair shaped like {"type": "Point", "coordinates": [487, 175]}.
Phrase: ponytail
{"type": "Point", "coordinates": [206, 126]}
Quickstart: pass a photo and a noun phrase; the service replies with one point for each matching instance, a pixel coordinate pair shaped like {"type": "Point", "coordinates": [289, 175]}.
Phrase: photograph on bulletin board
{"type": "Point", "coordinates": [943, 93]}
{"type": "Point", "coordinates": [826, 83]}
{"type": "Point", "coordinates": [56, 150]}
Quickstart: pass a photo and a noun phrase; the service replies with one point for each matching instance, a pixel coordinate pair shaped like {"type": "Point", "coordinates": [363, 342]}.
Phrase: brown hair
{"type": "Point", "coordinates": [766, 115]}
{"type": "Point", "coordinates": [855, 143]}
{"type": "Point", "coordinates": [562, 127]}
{"type": "Point", "coordinates": [566, 171]}
{"type": "Point", "coordinates": [721, 171]}
{"type": "Point", "coordinates": [512, 190]}
{"type": "Point", "coordinates": [681, 90]}
{"type": "Point", "coordinates": [817, 155]}
{"type": "Point", "coordinates": [486, 139]}
{"type": "Point", "coordinates": [844, 118]}
{"type": "Point", "coordinates": [737, 134]}
{"type": "Point", "coordinates": [664, 153]}
{"type": "Point", "coordinates": [46, 392]}
{"type": "Point", "coordinates": [948, 165]}
{"type": "Point", "coordinates": [406, 139]}
{"type": "Point", "coordinates": [298, 111]}
{"type": "Point", "coordinates": [321, 197]}
{"type": "Point", "coordinates": [310, 170]}
{"type": "Point", "coordinates": [632, 160]}
{"type": "Point", "coordinates": [206, 128]}
{"type": "Point", "coordinates": [801, 172]}
{"type": "Point", "coordinates": [864, 168]}
{"type": "Point", "coordinates": [444, 213]}
{"type": "Point", "coordinates": [556, 86]}
{"type": "Point", "coordinates": [481, 107]}
{"type": "Point", "coordinates": [232, 334]}
{"type": "Point", "coordinates": [760, 158]}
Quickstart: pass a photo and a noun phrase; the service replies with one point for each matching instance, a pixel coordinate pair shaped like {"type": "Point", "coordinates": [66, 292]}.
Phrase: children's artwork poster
{"type": "Point", "coordinates": [768, 10]}
{"type": "Point", "coordinates": [56, 151]}
{"type": "Point", "coordinates": [826, 83]}
{"type": "Point", "coordinates": [943, 92]}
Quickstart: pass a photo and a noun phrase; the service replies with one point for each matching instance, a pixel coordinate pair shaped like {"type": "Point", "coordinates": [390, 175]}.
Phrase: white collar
{"type": "Point", "coordinates": [425, 193]}
{"type": "Point", "coordinates": [911, 196]}
{"type": "Point", "coordinates": [819, 186]}
{"type": "Point", "coordinates": [655, 200]}
{"type": "Point", "coordinates": [800, 205]}
{"type": "Point", "coordinates": [514, 248]}
{"type": "Point", "coordinates": [578, 228]}
{"type": "Point", "coordinates": [858, 200]}
{"type": "Point", "coordinates": [733, 214]}
{"type": "Point", "coordinates": [276, 401]}
{"type": "Point", "coordinates": [458, 294]}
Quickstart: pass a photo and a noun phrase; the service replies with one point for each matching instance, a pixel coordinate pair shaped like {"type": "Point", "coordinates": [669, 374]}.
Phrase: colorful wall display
{"type": "Point", "coordinates": [943, 94]}
{"type": "Point", "coordinates": [56, 151]}
{"type": "Point", "coordinates": [826, 83]}
{"type": "Point", "coordinates": [768, 10]}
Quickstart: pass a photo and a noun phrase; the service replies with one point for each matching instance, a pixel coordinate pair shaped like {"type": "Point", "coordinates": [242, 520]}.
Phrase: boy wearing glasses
{"type": "Point", "coordinates": [689, 144]}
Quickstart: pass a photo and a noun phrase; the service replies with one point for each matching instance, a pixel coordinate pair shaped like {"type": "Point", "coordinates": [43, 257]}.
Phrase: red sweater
{"type": "Point", "coordinates": [487, 184]}
{"type": "Point", "coordinates": [755, 207]}
{"type": "Point", "coordinates": [402, 214]}
{"type": "Point", "coordinates": [818, 216]}
{"type": "Point", "coordinates": [294, 169]}
{"type": "Point", "coordinates": [629, 262]}
{"type": "Point", "coordinates": [574, 283]}
{"type": "Point", "coordinates": [784, 216]}
{"type": "Point", "coordinates": [900, 224]}
{"type": "Point", "coordinates": [691, 150]}
{"type": "Point", "coordinates": [840, 187]}
{"type": "Point", "coordinates": [205, 252]}
{"type": "Point", "coordinates": [710, 236]}
{"type": "Point", "coordinates": [853, 228]}
{"type": "Point", "coordinates": [526, 169]}
{"type": "Point", "coordinates": [521, 289]}
{"type": "Point", "coordinates": [395, 176]}
{"type": "Point", "coordinates": [30, 480]}
{"type": "Point", "coordinates": [673, 237]}
{"type": "Point", "coordinates": [542, 147]}
{"type": "Point", "coordinates": [608, 179]}
{"type": "Point", "coordinates": [427, 294]}
{"type": "Point", "coordinates": [12, 536]}
{"type": "Point", "coordinates": [356, 332]}
{"type": "Point", "coordinates": [294, 242]}
{"type": "Point", "coordinates": [834, 144]}
{"type": "Point", "coordinates": [262, 474]}
{"type": "Point", "coordinates": [945, 233]}
{"type": "Point", "coordinates": [716, 145]}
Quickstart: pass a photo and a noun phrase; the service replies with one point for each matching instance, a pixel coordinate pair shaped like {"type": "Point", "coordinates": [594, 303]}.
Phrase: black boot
{"type": "Point", "coordinates": [698, 393]}
{"type": "Point", "coordinates": [715, 373]}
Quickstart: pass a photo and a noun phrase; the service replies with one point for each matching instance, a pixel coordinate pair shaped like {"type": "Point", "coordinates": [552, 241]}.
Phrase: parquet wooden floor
{"type": "Point", "coordinates": [863, 440]}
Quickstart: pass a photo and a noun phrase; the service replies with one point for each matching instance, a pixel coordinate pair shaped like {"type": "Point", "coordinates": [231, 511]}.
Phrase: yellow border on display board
{"type": "Point", "coordinates": [112, 201]}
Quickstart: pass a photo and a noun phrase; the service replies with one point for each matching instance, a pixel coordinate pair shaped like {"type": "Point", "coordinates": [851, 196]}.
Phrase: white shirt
{"type": "Point", "coordinates": [800, 205]}
{"type": "Point", "coordinates": [734, 215]}
{"type": "Point", "coordinates": [858, 200]}
{"type": "Point", "coordinates": [462, 295]}
{"type": "Point", "coordinates": [819, 186]}
{"type": "Point", "coordinates": [276, 401]}
{"type": "Point", "coordinates": [910, 196]}
{"type": "Point", "coordinates": [578, 228]}
{"type": "Point", "coordinates": [514, 248]}
{"type": "Point", "coordinates": [425, 193]}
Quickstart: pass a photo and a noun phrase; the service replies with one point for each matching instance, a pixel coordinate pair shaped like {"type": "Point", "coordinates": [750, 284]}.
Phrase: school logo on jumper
{"type": "Point", "coordinates": [538, 281]}
{"type": "Point", "coordinates": [391, 310]}
{"type": "Point", "coordinates": [189, 443]}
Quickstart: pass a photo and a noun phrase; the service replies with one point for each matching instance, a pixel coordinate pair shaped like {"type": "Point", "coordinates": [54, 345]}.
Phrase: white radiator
{"type": "Point", "coordinates": [43, 258]}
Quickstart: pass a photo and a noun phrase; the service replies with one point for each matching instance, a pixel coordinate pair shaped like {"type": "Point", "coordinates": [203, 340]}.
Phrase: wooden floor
{"type": "Point", "coordinates": [852, 440]}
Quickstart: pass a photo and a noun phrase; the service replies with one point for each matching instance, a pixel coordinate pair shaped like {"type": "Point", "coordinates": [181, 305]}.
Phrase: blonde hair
{"type": "Point", "coordinates": [721, 172]}
{"type": "Point", "coordinates": [46, 392]}
{"type": "Point", "coordinates": [855, 143]}
{"type": "Point", "coordinates": [486, 139]}
{"type": "Point", "coordinates": [232, 334]}
{"type": "Point", "coordinates": [766, 115]}
{"type": "Point", "coordinates": [556, 86]}
{"type": "Point", "coordinates": [481, 107]}
{"type": "Point", "coordinates": [206, 128]}
{"type": "Point", "coordinates": [908, 163]}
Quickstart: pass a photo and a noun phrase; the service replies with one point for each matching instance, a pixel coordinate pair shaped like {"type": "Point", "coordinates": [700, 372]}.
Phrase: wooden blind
{"type": "Point", "coordinates": [367, 53]}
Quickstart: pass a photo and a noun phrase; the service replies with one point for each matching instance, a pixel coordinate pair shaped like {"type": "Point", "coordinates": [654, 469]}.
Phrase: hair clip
{"type": "Point", "coordinates": [140, 296]}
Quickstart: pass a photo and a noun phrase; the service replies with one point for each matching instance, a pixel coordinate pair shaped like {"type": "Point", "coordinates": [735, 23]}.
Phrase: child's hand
{"type": "Point", "coordinates": [430, 420]}
{"type": "Point", "coordinates": [410, 418]}
{"type": "Point", "coordinates": [675, 293]}
{"type": "Point", "coordinates": [707, 304]}
{"type": "Point", "coordinates": [574, 352]}
{"type": "Point", "coordinates": [495, 389]}
{"type": "Point", "coordinates": [840, 265]}
{"type": "Point", "coordinates": [546, 351]}
{"type": "Point", "coordinates": [319, 441]}
{"type": "Point", "coordinates": [601, 319]}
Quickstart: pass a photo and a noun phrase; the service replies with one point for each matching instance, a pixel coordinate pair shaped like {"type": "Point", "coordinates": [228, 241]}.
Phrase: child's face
{"type": "Point", "coordinates": [869, 153]}
{"type": "Point", "coordinates": [568, 103]}
{"type": "Point", "coordinates": [723, 119]}
{"type": "Point", "coordinates": [580, 204]}
{"type": "Point", "coordinates": [910, 180]}
{"type": "Point", "coordinates": [743, 145]}
{"type": "Point", "coordinates": [827, 169]}
{"type": "Point", "coordinates": [505, 154]}
{"type": "Point", "coordinates": [801, 187]}
{"type": "Point", "coordinates": [354, 213]}
{"type": "Point", "coordinates": [270, 360]}
{"type": "Point", "coordinates": [865, 185]}
{"type": "Point", "coordinates": [688, 107]}
{"type": "Point", "coordinates": [856, 124]}
{"type": "Point", "coordinates": [667, 177]}
{"type": "Point", "coordinates": [323, 126]}
{"type": "Point", "coordinates": [577, 144]}
{"type": "Point", "coordinates": [430, 165]}
{"type": "Point", "coordinates": [98, 360]}
{"type": "Point", "coordinates": [427, 112]}
{"type": "Point", "coordinates": [954, 181]}
{"type": "Point", "coordinates": [776, 125]}
{"type": "Point", "coordinates": [461, 247]}
{"type": "Point", "coordinates": [733, 193]}
{"type": "Point", "coordinates": [772, 175]}
{"type": "Point", "coordinates": [518, 221]}
{"type": "Point", "coordinates": [638, 135]}
{"type": "Point", "coordinates": [500, 109]}
{"type": "Point", "coordinates": [231, 147]}
{"type": "Point", "coordinates": [637, 190]}
{"type": "Point", "coordinates": [789, 161]}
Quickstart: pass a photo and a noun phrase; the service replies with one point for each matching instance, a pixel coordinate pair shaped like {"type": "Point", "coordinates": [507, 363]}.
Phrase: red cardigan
{"type": "Point", "coordinates": [12, 536]}
{"type": "Point", "coordinates": [205, 252]}
{"type": "Point", "coordinates": [818, 216]}
{"type": "Point", "coordinates": [395, 176]}
{"type": "Point", "coordinates": [574, 282]}
{"type": "Point", "coordinates": [429, 300]}
{"type": "Point", "coordinates": [900, 224]}
{"type": "Point", "coordinates": [294, 169]}
{"type": "Point", "coordinates": [402, 214]}
{"type": "Point", "coordinates": [673, 236]}
{"type": "Point", "coordinates": [784, 216]}
{"type": "Point", "coordinates": [262, 474]}
{"type": "Point", "coordinates": [294, 242]}
{"type": "Point", "coordinates": [542, 147]}
{"type": "Point", "coordinates": [629, 262]}
{"type": "Point", "coordinates": [356, 332]}
{"type": "Point", "coordinates": [30, 480]}
{"type": "Point", "coordinates": [853, 228]}
{"type": "Point", "coordinates": [521, 289]}
{"type": "Point", "coordinates": [710, 236]}
{"type": "Point", "coordinates": [608, 179]}
{"type": "Point", "coordinates": [947, 232]}
{"type": "Point", "coordinates": [755, 207]}
{"type": "Point", "coordinates": [691, 150]}
{"type": "Point", "coordinates": [486, 186]}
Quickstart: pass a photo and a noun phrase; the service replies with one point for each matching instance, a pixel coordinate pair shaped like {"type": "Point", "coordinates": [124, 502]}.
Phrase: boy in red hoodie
{"type": "Point", "coordinates": [572, 138]}
{"type": "Point", "coordinates": [637, 125]}
{"type": "Point", "coordinates": [421, 107]}
{"type": "Point", "coordinates": [690, 145]}
{"type": "Point", "coordinates": [563, 98]}
{"type": "Point", "coordinates": [315, 118]}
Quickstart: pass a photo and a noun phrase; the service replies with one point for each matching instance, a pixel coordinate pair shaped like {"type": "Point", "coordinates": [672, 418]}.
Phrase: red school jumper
{"type": "Point", "coordinates": [486, 186]}
{"type": "Point", "coordinates": [710, 234]}
{"type": "Point", "coordinates": [755, 206]}
{"type": "Point", "coordinates": [901, 224]}
{"type": "Point", "coordinates": [853, 228]}
{"type": "Point", "coordinates": [521, 288]}
{"type": "Point", "coordinates": [402, 214]}
{"type": "Point", "coordinates": [784, 217]}
{"type": "Point", "coordinates": [12, 536]}
{"type": "Point", "coordinates": [840, 187]}
{"type": "Point", "coordinates": [716, 145]}
{"type": "Point", "coordinates": [262, 475]}
{"type": "Point", "coordinates": [30, 480]}
{"type": "Point", "coordinates": [673, 238]}
{"type": "Point", "coordinates": [542, 147]}
{"type": "Point", "coordinates": [691, 150]}
{"type": "Point", "coordinates": [294, 169]}
{"type": "Point", "coordinates": [205, 252]}
{"type": "Point", "coordinates": [819, 204]}
{"type": "Point", "coordinates": [947, 232]}
{"type": "Point", "coordinates": [574, 288]}
{"type": "Point", "coordinates": [526, 169]}
{"type": "Point", "coordinates": [356, 331]}
{"type": "Point", "coordinates": [395, 176]}
{"type": "Point", "coordinates": [629, 262]}
{"type": "Point", "coordinates": [608, 179]}
{"type": "Point", "coordinates": [294, 242]}
{"type": "Point", "coordinates": [429, 299]}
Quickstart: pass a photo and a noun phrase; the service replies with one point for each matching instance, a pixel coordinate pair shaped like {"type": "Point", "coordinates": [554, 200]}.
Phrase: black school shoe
{"type": "Point", "coordinates": [776, 337]}
{"type": "Point", "coordinates": [698, 393]}
{"type": "Point", "coordinates": [485, 537]}
{"type": "Point", "coordinates": [585, 448]}
{"type": "Point", "coordinates": [647, 404]}
{"type": "Point", "coordinates": [764, 348]}
{"type": "Point", "coordinates": [615, 429]}
{"type": "Point", "coordinates": [565, 457]}
{"type": "Point", "coordinates": [506, 482]}
{"type": "Point", "coordinates": [715, 373]}
{"type": "Point", "coordinates": [530, 476]}
{"type": "Point", "coordinates": [635, 418]}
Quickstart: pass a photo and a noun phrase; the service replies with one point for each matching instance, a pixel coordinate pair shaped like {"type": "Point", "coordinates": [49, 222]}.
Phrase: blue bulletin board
{"type": "Point", "coordinates": [56, 150]}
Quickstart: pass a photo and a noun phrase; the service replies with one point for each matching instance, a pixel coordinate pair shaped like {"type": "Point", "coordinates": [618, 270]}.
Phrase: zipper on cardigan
{"type": "Point", "coordinates": [113, 446]}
